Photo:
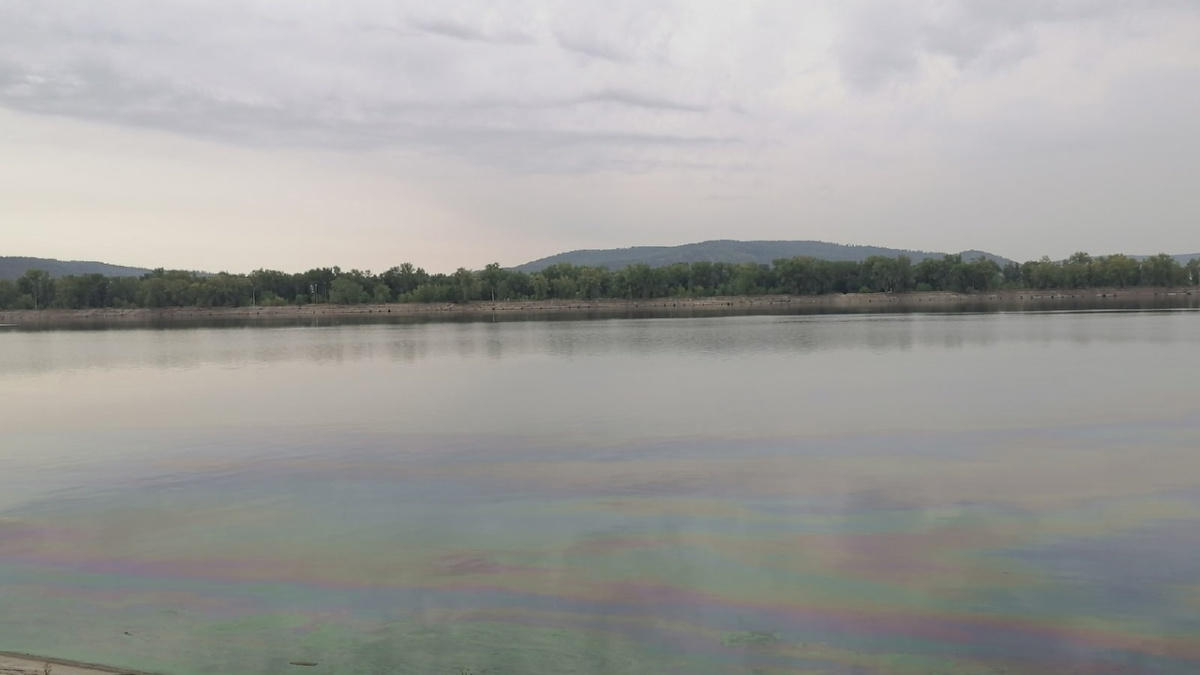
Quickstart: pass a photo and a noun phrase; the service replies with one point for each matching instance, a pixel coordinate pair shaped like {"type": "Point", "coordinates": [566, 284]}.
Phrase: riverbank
{"type": "Point", "coordinates": [25, 664]}
{"type": "Point", "coordinates": [933, 300]}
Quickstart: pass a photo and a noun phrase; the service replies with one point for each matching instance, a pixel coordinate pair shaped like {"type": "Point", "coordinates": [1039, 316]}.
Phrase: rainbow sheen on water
{"type": "Point", "coordinates": [890, 495]}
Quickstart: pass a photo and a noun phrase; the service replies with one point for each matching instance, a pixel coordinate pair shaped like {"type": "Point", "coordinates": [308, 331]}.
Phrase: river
{"type": "Point", "coordinates": [892, 494]}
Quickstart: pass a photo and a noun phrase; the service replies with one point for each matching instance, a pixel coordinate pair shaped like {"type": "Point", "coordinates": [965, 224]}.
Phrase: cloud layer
{"type": "Point", "coordinates": [762, 100]}
{"type": "Point", "coordinates": [539, 79]}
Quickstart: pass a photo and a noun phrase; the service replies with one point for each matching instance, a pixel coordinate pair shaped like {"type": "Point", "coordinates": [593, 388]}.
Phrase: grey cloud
{"type": "Point", "coordinates": [101, 93]}
{"type": "Point", "coordinates": [506, 140]}
{"type": "Point", "coordinates": [639, 100]}
{"type": "Point", "coordinates": [620, 31]}
{"type": "Point", "coordinates": [352, 79]}
{"type": "Point", "coordinates": [504, 86]}
{"type": "Point", "coordinates": [880, 42]}
{"type": "Point", "coordinates": [591, 48]}
{"type": "Point", "coordinates": [727, 99]}
{"type": "Point", "coordinates": [571, 151]}
{"type": "Point", "coordinates": [461, 31]}
{"type": "Point", "coordinates": [617, 97]}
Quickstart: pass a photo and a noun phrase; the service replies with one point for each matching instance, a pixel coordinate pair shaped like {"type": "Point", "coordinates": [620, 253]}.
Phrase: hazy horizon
{"type": "Point", "coordinates": [232, 137]}
{"type": "Point", "coordinates": [418, 264]}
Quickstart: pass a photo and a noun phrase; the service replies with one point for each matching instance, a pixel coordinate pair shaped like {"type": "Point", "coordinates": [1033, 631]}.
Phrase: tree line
{"type": "Point", "coordinates": [161, 288]}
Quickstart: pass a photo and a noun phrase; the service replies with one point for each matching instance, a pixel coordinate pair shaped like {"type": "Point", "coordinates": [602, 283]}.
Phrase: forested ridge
{"type": "Point", "coordinates": [37, 289]}
{"type": "Point", "coordinates": [12, 267]}
{"type": "Point", "coordinates": [735, 251]}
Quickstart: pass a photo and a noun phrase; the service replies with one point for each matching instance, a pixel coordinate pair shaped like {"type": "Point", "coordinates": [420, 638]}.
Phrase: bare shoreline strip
{"type": "Point", "coordinates": [12, 663]}
{"type": "Point", "coordinates": [745, 302]}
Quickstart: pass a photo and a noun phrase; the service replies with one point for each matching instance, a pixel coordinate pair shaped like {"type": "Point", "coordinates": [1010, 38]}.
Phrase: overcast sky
{"type": "Point", "coordinates": [223, 135]}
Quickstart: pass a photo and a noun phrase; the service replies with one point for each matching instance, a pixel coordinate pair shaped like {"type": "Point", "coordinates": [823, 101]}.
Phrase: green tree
{"type": "Point", "coordinates": [1041, 274]}
{"type": "Point", "coordinates": [490, 278]}
{"type": "Point", "coordinates": [1115, 270]}
{"type": "Point", "coordinates": [382, 294]}
{"type": "Point", "coordinates": [592, 282]}
{"type": "Point", "coordinates": [517, 285]}
{"type": "Point", "coordinates": [957, 274]}
{"type": "Point", "coordinates": [318, 282]}
{"type": "Point", "coordinates": [345, 291]}
{"type": "Point", "coordinates": [804, 276]}
{"type": "Point", "coordinates": [564, 288]}
{"type": "Point", "coordinates": [280, 284]}
{"type": "Point", "coordinates": [407, 283]}
{"type": "Point", "coordinates": [39, 286]}
{"type": "Point", "coordinates": [748, 279]}
{"type": "Point", "coordinates": [220, 290]}
{"type": "Point", "coordinates": [1077, 270]}
{"type": "Point", "coordinates": [890, 275]}
{"type": "Point", "coordinates": [81, 292]}
{"type": "Point", "coordinates": [640, 281]}
{"type": "Point", "coordinates": [432, 291]}
{"type": "Point", "coordinates": [465, 287]}
{"type": "Point", "coordinates": [404, 278]}
{"type": "Point", "coordinates": [1162, 270]}
{"type": "Point", "coordinates": [8, 294]}
{"type": "Point", "coordinates": [673, 279]}
{"type": "Point", "coordinates": [704, 278]}
{"type": "Point", "coordinates": [1012, 274]}
{"type": "Point", "coordinates": [123, 292]}
{"type": "Point", "coordinates": [982, 274]}
{"type": "Point", "coordinates": [540, 285]}
{"type": "Point", "coordinates": [270, 299]}
{"type": "Point", "coordinates": [933, 273]}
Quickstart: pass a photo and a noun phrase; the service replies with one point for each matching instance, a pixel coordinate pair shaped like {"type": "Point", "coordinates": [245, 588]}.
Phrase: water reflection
{"type": "Point", "coordinates": [889, 494]}
{"type": "Point", "coordinates": [722, 337]}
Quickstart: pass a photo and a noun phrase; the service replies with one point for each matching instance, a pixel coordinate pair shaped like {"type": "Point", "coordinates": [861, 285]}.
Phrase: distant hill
{"type": "Point", "coordinates": [12, 267]}
{"type": "Point", "coordinates": [1182, 259]}
{"type": "Point", "coordinates": [729, 251]}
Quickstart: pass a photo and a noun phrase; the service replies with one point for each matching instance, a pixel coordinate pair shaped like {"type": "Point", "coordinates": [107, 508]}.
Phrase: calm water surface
{"type": "Point", "coordinates": [877, 494]}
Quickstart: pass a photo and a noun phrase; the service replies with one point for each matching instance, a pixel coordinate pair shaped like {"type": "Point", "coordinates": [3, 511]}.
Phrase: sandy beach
{"type": "Point", "coordinates": [851, 301]}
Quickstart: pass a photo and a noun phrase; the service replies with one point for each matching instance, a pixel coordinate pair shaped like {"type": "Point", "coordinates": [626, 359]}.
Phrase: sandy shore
{"type": "Point", "coordinates": [24, 664]}
{"type": "Point", "coordinates": [750, 303]}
